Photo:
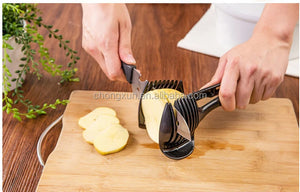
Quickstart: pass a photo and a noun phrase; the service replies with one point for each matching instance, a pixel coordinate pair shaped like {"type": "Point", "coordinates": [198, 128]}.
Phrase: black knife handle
{"type": "Point", "coordinates": [128, 71]}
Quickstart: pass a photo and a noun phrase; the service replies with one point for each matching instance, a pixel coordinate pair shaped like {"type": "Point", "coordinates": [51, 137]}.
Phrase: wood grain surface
{"type": "Point", "coordinates": [249, 150]}
{"type": "Point", "coordinates": [156, 30]}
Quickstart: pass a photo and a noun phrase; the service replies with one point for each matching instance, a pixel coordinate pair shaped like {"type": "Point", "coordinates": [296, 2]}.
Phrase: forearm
{"type": "Point", "coordinates": [279, 21]}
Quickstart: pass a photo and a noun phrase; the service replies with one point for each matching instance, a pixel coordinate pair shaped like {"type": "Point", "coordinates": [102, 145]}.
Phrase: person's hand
{"type": "Point", "coordinates": [106, 36]}
{"type": "Point", "coordinates": [251, 71]}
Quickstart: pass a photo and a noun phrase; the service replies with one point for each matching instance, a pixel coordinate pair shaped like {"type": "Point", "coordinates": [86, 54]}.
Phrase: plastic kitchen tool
{"type": "Point", "coordinates": [172, 144]}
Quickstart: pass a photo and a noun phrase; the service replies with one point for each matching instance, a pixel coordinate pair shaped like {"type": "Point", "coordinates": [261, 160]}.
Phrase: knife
{"type": "Point", "coordinates": [182, 127]}
{"type": "Point", "coordinates": [133, 77]}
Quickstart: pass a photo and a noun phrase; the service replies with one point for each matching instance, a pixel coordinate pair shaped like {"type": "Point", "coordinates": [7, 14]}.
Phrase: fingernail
{"type": "Point", "coordinates": [130, 59]}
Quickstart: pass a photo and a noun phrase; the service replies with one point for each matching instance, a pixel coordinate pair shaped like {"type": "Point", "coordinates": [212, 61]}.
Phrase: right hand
{"type": "Point", "coordinates": [106, 36]}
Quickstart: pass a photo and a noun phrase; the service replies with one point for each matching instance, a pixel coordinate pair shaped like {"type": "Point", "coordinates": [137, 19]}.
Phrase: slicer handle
{"type": "Point", "coordinates": [208, 107]}
{"type": "Point", "coordinates": [206, 92]}
{"type": "Point", "coordinates": [128, 71]}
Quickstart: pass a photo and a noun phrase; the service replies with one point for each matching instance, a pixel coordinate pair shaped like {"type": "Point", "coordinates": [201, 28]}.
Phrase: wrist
{"type": "Point", "coordinates": [283, 34]}
{"type": "Point", "coordinates": [284, 37]}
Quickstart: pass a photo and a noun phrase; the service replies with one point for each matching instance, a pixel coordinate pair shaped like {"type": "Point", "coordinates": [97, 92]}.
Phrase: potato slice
{"type": "Point", "coordinates": [101, 123]}
{"type": "Point", "coordinates": [85, 121]}
{"type": "Point", "coordinates": [89, 135]}
{"type": "Point", "coordinates": [153, 104]}
{"type": "Point", "coordinates": [111, 140]}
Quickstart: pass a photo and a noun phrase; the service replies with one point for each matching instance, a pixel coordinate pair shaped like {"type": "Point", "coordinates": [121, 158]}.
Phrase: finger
{"type": "Point", "coordinates": [263, 78]}
{"type": "Point", "coordinates": [218, 74]}
{"type": "Point", "coordinates": [243, 92]}
{"type": "Point", "coordinates": [94, 51]}
{"type": "Point", "coordinates": [112, 60]}
{"type": "Point", "coordinates": [269, 91]}
{"type": "Point", "coordinates": [125, 42]}
{"type": "Point", "coordinates": [229, 84]}
{"type": "Point", "coordinates": [100, 60]}
{"type": "Point", "coordinates": [258, 91]}
{"type": "Point", "coordinates": [272, 86]}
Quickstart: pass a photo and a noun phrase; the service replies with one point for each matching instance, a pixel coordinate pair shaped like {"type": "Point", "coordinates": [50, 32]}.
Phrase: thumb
{"type": "Point", "coordinates": [218, 74]}
{"type": "Point", "coordinates": [125, 51]}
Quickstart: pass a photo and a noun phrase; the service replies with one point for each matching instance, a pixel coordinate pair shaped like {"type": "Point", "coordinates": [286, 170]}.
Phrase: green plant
{"type": "Point", "coordinates": [13, 18]}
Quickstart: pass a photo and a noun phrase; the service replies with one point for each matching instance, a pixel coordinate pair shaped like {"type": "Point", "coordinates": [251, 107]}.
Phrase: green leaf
{"type": "Point", "coordinates": [23, 59]}
{"type": "Point", "coordinates": [18, 117]}
{"type": "Point", "coordinates": [8, 105]}
{"type": "Point", "coordinates": [75, 79]}
{"type": "Point", "coordinates": [9, 59]}
{"type": "Point", "coordinates": [41, 112]}
{"type": "Point", "coordinates": [8, 46]}
{"type": "Point", "coordinates": [28, 116]}
{"type": "Point", "coordinates": [10, 100]}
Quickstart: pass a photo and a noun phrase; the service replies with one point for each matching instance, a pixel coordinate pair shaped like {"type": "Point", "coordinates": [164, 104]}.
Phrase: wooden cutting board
{"type": "Point", "coordinates": [251, 150]}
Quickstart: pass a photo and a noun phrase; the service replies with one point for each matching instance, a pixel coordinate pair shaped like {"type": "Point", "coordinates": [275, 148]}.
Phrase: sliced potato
{"type": "Point", "coordinates": [102, 122]}
{"type": "Point", "coordinates": [89, 135]}
{"type": "Point", "coordinates": [111, 140]}
{"type": "Point", "coordinates": [103, 129]}
{"type": "Point", "coordinates": [86, 121]}
{"type": "Point", "coordinates": [153, 104]}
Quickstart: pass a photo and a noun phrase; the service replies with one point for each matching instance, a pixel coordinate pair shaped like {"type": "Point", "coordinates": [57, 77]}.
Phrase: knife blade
{"type": "Point", "coordinates": [133, 77]}
{"type": "Point", "coordinates": [182, 127]}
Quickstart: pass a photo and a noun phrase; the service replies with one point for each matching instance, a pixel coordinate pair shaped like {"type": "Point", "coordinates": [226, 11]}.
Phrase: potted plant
{"type": "Point", "coordinates": [20, 24]}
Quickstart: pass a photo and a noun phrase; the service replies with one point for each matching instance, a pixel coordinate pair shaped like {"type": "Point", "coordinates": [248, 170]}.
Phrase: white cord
{"type": "Point", "coordinates": [39, 144]}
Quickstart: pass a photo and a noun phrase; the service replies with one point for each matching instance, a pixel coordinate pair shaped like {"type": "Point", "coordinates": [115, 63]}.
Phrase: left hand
{"type": "Point", "coordinates": [251, 71]}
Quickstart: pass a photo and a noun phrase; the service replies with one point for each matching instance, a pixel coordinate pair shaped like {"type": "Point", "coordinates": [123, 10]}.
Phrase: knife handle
{"type": "Point", "coordinates": [128, 71]}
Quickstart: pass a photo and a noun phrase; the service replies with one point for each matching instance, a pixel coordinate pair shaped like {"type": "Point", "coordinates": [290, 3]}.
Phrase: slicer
{"type": "Point", "coordinates": [176, 132]}
{"type": "Point", "coordinates": [188, 115]}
